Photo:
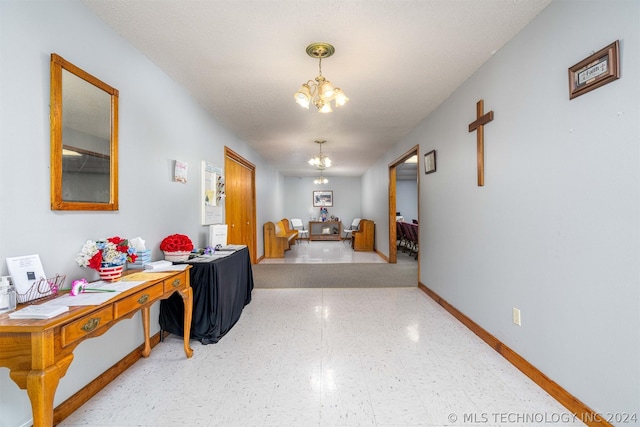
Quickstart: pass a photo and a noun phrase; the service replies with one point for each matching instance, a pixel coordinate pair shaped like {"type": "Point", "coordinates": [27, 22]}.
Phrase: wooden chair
{"type": "Point", "coordinates": [277, 239]}
{"type": "Point", "coordinates": [288, 230]}
{"type": "Point", "coordinates": [362, 239]}
{"type": "Point", "coordinates": [274, 243]}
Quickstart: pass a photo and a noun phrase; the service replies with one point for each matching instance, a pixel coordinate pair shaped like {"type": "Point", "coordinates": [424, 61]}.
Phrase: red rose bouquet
{"type": "Point", "coordinates": [176, 243]}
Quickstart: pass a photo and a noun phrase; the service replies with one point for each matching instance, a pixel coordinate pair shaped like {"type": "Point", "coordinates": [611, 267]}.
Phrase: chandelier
{"type": "Point", "coordinates": [321, 92]}
{"type": "Point", "coordinates": [321, 179]}
{"type": "Point", "coordinates": [320, 161]}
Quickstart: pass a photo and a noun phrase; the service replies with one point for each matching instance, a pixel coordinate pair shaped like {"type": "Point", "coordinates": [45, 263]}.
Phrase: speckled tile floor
{"type": "Point", "coordinates": [327, 357]}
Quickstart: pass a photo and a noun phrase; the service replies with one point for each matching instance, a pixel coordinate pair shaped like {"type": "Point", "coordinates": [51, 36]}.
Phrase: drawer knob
{"type": "Point", "coordinates": [144, 298]}
{"type": "Point", "coordinates": [176, 283]}
{"type": "Point", "coordinates": [91, 324]}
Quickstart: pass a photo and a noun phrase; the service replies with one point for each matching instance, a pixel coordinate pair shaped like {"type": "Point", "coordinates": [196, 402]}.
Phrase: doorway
{"type": "Point", "coordinates": [397, 170]}
{"type": "Point", "coordinates": [240, 202]}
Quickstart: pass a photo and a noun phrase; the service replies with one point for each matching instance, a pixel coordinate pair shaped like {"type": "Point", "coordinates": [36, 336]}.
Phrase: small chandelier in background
{"type": "Point", "coordinates": [320, 161]}
{"type": "Point", "coordinates": [321, 92]}
{"type": "Point", "coordinates": [321, 179]}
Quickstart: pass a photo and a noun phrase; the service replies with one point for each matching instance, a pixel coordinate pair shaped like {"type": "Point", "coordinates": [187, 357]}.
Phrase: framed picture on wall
{"type": "Point", "coordinates": [594, 71]}
{"type": "Point", "coordinates": [323, 198]}
{"type": "Point", "coordinates": [430, 162]}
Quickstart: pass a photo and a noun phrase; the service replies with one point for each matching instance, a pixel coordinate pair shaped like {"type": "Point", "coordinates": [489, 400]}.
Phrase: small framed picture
{"type": "Point", "coordinates": [323, 198]}
{"type": "Point", "coordinates": [594, 71]}
{"type": "Point", "coordinates": [430, 162]}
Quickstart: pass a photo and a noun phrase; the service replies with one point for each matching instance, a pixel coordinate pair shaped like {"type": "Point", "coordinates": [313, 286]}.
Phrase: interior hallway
{"type": "Point", "coordinates": [327, 357]}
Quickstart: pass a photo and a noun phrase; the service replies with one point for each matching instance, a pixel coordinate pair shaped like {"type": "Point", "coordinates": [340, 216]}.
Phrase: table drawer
{"type": "Point", "coordinates": [85, 325]}
{"type": "Point", "coordinates": [175, 283]}
{"type": "Point", "coordinates": [137, 300]}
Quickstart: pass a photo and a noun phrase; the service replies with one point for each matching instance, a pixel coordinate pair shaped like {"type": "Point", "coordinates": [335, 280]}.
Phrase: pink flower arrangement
{"type": "Point", "coordinates": [176, 243]}
{"type": "Point", "coordinates": [80, 286]}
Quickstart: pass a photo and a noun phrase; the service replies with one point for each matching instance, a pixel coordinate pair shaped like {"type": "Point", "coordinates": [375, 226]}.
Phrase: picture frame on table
{"type": "Point", "coordinates": [323, 198]}
{"type": "Point", "coordinates": [430, 162]}
{"type": "Point", "coordinates": [595, 70]}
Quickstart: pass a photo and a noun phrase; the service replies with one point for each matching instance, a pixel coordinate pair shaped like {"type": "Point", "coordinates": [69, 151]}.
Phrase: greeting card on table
{"type": "Point", "coordinates": [25, 271]}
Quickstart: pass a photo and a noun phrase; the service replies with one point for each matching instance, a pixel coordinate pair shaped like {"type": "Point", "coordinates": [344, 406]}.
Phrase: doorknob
{"type": "Point", "coordinates": [233, 225]}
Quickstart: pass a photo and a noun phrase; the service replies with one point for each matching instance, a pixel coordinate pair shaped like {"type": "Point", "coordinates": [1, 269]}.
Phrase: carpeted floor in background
{"type": "Point", "coordinates": [335, 275]}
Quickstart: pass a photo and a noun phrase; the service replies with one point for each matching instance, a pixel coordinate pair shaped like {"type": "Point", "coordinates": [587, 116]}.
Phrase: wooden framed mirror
{"type": "Point", "coordinates": [84, 140]}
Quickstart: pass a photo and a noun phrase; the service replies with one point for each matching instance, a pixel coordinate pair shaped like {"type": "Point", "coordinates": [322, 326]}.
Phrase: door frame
{"type": "Point", "coordinates": [393, 250]}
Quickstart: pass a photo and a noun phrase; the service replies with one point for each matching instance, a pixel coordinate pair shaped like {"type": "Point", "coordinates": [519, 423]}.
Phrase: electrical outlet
{"type": "Point", "coordinates": [516, 316]}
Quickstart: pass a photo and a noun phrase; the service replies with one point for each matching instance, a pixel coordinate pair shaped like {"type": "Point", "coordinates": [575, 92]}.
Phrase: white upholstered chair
{"type": "Point", "coordinates": [353, 227]}
{"type": "Point", "coordinates": [296, 224]}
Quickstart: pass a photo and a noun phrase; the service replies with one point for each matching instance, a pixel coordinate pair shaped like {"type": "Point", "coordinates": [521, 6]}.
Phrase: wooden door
{"type": "Point", "coordinates": [240, 203]}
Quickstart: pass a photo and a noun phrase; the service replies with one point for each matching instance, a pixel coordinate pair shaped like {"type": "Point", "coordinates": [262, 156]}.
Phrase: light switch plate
{"type": "Point", "coordinates": [516, 316]}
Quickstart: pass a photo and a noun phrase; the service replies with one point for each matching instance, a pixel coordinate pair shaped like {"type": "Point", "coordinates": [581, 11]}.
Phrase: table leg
{"type": "Point", "coordinates": [146, 351]}
{"type": "Point", "coordinates": [43, 377]}
{"type": "Point", "coordinates": [41, 388]}
{"type": "Point", "coordinates": [187, 299]}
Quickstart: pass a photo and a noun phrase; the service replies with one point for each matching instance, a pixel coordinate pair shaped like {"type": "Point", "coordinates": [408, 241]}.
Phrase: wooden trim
{"type": "Point", "coordinates": [381, 255]}
{"type": "Point", "coordinates": [83, 395]}
{"type": "Point", "coordinates": [57, 64]}
{"type": "Point", "coordinates": [393, 251]}
{"type": "Point", "coordinates": [575, 406]}
{"type": "Point", "coordinates": [228, 152]}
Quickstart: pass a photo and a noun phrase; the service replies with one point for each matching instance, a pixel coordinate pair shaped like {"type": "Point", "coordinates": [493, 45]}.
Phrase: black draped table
{"type": "Point", "coordinates": [221, 289]}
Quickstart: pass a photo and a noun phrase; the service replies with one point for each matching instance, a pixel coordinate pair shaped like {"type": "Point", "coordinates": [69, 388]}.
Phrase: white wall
{"type": "Point", "coordinates": [299, 198]}
{"type": "Point", "coordinates": [555, 230]}
{"type": "Point", "coordinates": [158, 123]}
{"type": "Point", "coordinates": [375, 202]}
{"type": "Point", "coordinates": [407, 199]}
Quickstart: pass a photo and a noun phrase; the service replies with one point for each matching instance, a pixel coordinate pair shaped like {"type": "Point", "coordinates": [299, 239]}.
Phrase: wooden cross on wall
{"type": "Point", "coordinates": [481, 120]}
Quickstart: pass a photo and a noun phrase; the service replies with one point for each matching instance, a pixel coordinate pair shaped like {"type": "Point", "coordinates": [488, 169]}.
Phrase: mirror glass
{"type": "Point", "coordinates": [83, 140]}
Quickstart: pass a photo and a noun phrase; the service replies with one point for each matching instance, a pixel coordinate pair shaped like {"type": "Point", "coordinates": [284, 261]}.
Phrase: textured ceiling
{"type": "Point", "coordinates": [243, 60]}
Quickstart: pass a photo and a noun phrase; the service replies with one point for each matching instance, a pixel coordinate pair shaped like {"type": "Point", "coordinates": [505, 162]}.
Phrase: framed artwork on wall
{"type": "Point", "coordinates": [323, 198]}
{"type": "Point", "coordinates": [430, 162]}
{"type": "Point", "coordinates": [594, 71]}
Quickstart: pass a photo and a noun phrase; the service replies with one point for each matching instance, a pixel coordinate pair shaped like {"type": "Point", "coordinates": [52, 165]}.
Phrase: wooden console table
{"type": "Point", "coordinates": [317, 230]}
{"type": "Point", "coordinates": [39, 352]}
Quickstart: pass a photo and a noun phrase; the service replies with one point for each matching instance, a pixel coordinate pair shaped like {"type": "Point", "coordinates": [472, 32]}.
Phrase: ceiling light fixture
{"type": "Point", "coordinates": [321, 179]}
{"type": "Point", "coordinates": [320, 161]}
{"type": "Point", "coordinates": [321, 92]}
